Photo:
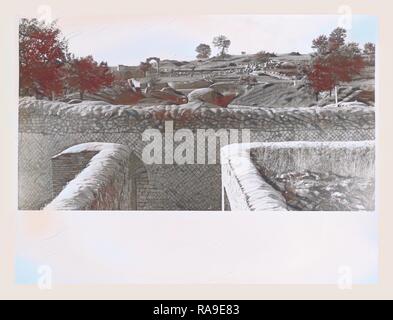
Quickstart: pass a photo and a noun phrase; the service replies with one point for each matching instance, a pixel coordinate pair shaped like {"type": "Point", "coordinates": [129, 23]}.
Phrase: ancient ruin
{"type": "Point", "coordinates": [49, 129]}
{"type": "Point", "coordinates": [86, 148]}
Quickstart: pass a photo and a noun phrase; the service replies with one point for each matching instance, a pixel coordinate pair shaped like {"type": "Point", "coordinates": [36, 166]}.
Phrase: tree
{"type": "Point", "coordinates": [334, 62]}
{"type": "Point", "coordinates": [144, 67]}
{"type": "Point", "coordinates": [369, 51]}
{"type": "Point", "coordinates": [222, 42]}
{"type": "Point", "coordinates": [369, 48]}
{"type": "Point", "coordinates": [204, 51]}
{"type": "Point", "coordinates": [87, 75]}
{"type": "Point", "coordinates": [337, 38]}
{"type": "Point", "coordinates": [320, 77]}
{"type": "Point", "coordinates": [329, 71]}
{"type": "Point", "coordinates": [42, 56]}
{"type": "Point", "coordinates": [263, 56]}
{"type": "Point", "coordinates": [321, 45]}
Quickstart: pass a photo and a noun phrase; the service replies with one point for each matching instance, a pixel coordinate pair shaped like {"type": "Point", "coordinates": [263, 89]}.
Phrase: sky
{"type": "Point", "coordinates": [131, 39]}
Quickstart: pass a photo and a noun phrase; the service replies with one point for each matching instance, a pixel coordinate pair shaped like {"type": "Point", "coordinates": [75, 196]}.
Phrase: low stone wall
{"type": "Point", "coordinates": [47, 128]}
{"type": "Point", "coordinates": [104, 184]}
{"type": "Point", "coordinates": [66, 166]}
{"type": "Point", "coordinates": [244, 165]}
{"type": "Point", "coordinates": [348, 159]}
{"type": "Point", "coordinates": [244, 187]}
{"type": "Point", "coordinates": [36, 116]}
{"type": "Point", "coordinates": [278, 75]}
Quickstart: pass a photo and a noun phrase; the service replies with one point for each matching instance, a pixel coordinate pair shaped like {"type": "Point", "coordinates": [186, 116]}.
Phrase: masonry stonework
{"type": "Point", "coordinates": [102, 178]}
{"type": "Point", "coordinates": [66, 166]}
{"type": "Point", "coordinates": [246, 166]}
{"type": "Point", "coordinates": [48, 128]}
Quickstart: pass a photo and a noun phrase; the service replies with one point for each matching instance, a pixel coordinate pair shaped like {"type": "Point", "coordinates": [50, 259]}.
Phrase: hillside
{"type": "Point", "coordinates": [235, 79]}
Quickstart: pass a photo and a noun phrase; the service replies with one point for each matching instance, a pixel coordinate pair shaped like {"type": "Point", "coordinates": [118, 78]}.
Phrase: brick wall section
{"type": "Point", "coordinates": [65, 167]}
{"type": "Point", "coordinates": [103, 184]}
{"type": "Point", "coordinates": [144, 191]}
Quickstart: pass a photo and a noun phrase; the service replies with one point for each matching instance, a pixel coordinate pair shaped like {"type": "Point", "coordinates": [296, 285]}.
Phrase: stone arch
{"type": "Point", "coordinates": [157, 60]}
{"type": "Point", "coordinates": [114, 178]}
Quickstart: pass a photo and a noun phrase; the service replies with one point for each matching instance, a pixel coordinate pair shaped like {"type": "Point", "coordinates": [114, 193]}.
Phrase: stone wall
{"type": "Point", "coordinates": [66, 166]}
{"type": "Point", "coordinates": [347, 159]}
{"type": "Point", "coordinates": [244, 187]}
{"type": "Point", "coordinates": [93, 176]}
{"type": "Point", "coordinates": [98, 117]}
{"type": "Point", "coordinates": [243, 165]}
{"type": "Point", "coordinates": [48, 128]}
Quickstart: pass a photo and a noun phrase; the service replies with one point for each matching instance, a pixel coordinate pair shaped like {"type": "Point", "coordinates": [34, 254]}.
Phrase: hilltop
{"type": "Point", "coordinates": [240, 80]}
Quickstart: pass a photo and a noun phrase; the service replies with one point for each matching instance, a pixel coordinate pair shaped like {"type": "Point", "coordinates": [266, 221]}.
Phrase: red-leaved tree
{"type": "Point", "coordinates": [334, 62]}
{"type": "Point", "coordinates": [320, 77]}
{"type": "Point", "coordinates": [42, 55]}
{"type": "Point", "coordinates": [87, 75]}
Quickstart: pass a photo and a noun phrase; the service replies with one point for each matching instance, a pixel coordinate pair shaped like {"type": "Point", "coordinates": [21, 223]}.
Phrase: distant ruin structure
{"type": "Point", "coordinates": [157, 61]}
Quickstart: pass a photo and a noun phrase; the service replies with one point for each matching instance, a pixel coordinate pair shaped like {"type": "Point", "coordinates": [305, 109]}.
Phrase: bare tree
{"type": "Point", "coordinates": [222, 42]}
